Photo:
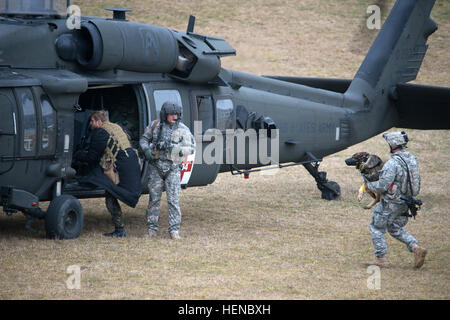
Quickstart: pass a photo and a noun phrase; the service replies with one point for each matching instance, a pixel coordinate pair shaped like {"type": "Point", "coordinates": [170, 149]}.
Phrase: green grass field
{"type": "Point", "coordinates": [270, 236]}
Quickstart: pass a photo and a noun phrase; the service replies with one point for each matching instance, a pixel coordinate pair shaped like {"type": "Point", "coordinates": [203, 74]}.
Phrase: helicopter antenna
{"type": "Point", "coordinates": [190, 28]}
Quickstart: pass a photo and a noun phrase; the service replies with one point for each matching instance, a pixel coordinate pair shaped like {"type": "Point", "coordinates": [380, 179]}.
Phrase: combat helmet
{"type": "Point", "coordinates": [170, 108]}
{"type": "Point", "coordinates": [396, 139]}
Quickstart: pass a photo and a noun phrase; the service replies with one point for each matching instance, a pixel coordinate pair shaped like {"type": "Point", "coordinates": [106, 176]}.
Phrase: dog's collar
{"type": "Point", "coordinates": [361, 167]}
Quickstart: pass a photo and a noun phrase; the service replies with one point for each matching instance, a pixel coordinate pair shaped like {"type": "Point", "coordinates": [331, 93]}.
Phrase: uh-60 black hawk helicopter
{"type": "Point", "coordinates": [53, 75]}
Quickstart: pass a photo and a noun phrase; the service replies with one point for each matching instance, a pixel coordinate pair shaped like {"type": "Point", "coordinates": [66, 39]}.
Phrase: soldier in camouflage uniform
{"type": "Point", "coordinates": [165, 144]}
{"type": "Point", "coordinates": [391, 214]}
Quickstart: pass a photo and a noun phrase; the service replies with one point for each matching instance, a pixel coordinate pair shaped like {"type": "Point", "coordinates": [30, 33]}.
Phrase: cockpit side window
{"type": "Point", "coordinates": [48, 136]}
{"type": "Point", "coordinates": [29, 123]}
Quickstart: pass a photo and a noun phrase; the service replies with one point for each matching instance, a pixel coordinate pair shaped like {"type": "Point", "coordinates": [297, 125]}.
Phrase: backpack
{"type": "Point", "coordinates": [412, 183]}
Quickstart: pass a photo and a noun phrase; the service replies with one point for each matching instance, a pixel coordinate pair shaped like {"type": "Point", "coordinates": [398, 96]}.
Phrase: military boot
{"type": "Point", "coordinates": [175, 236]}
{"type": "Point", "coordinates": [419, 256]}
{"type": "Point", "coordinates": [381, 262]}
{"type": "Point", "coordinates": [151, 234]}
{"type": "Point", "coordinates": [119, 232]}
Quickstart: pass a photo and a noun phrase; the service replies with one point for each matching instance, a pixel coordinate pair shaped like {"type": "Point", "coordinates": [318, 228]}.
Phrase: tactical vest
{"type": "Point", "coordinates": [118, 140]}
{"type": "Point", "coordinates": [164, 133]}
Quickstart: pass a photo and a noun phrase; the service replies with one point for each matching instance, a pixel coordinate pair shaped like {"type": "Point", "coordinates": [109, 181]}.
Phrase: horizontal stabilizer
{"type": "Point", "coordinates": [423, 107]}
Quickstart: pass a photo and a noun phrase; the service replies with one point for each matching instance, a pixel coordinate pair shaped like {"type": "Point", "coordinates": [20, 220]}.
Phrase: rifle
{"type": "Point", "coordinates": [413, 205]}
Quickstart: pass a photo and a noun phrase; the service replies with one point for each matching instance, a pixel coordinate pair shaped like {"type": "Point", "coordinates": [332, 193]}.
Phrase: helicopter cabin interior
{"type": "Point", "coordinates": [125, 106]}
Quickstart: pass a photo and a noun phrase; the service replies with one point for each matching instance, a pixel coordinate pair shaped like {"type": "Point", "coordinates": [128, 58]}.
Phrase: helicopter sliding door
{"type": "Point", "coordinates": [204, 117]}
{"type": "Point", "coordinates": [158, 94]}
{"type": "Point", "coordinates": [193, 173]}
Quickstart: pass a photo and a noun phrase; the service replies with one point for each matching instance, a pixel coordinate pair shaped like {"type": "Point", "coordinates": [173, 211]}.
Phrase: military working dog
{"type": "Point", "coordinates": [369, 165]}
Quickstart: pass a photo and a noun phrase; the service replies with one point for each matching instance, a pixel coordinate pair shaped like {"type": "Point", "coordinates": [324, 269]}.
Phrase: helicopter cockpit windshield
{"type": "Point", "coordinates": [34, 7]}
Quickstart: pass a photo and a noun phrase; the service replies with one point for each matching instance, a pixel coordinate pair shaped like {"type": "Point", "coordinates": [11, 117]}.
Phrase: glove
{"type": "Point", "coordinates": [79, 154]}
{"type": "Point", "coordinates": [162, 145]}
{"type": "Point", "coordinates": [149, 154]}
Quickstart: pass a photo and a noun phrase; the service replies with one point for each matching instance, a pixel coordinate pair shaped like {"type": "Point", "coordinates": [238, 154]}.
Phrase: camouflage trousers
{"type": "Point", "coordinates": [158, 182]}
{"type": "Point", "coordinates": [115, 210]}
{"type": "Point", "coordinates": [390, 217]}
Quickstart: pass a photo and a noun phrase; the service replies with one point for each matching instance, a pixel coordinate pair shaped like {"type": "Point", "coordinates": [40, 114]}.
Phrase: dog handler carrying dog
{"type": "Point", "coordinates": [399, 179]}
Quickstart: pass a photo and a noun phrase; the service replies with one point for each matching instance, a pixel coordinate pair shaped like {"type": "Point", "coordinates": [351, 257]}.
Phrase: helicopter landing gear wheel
{"type": "Point", "coordinates": [64, 218]}
{"type": "Point", "coordinates": [331, 191]}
